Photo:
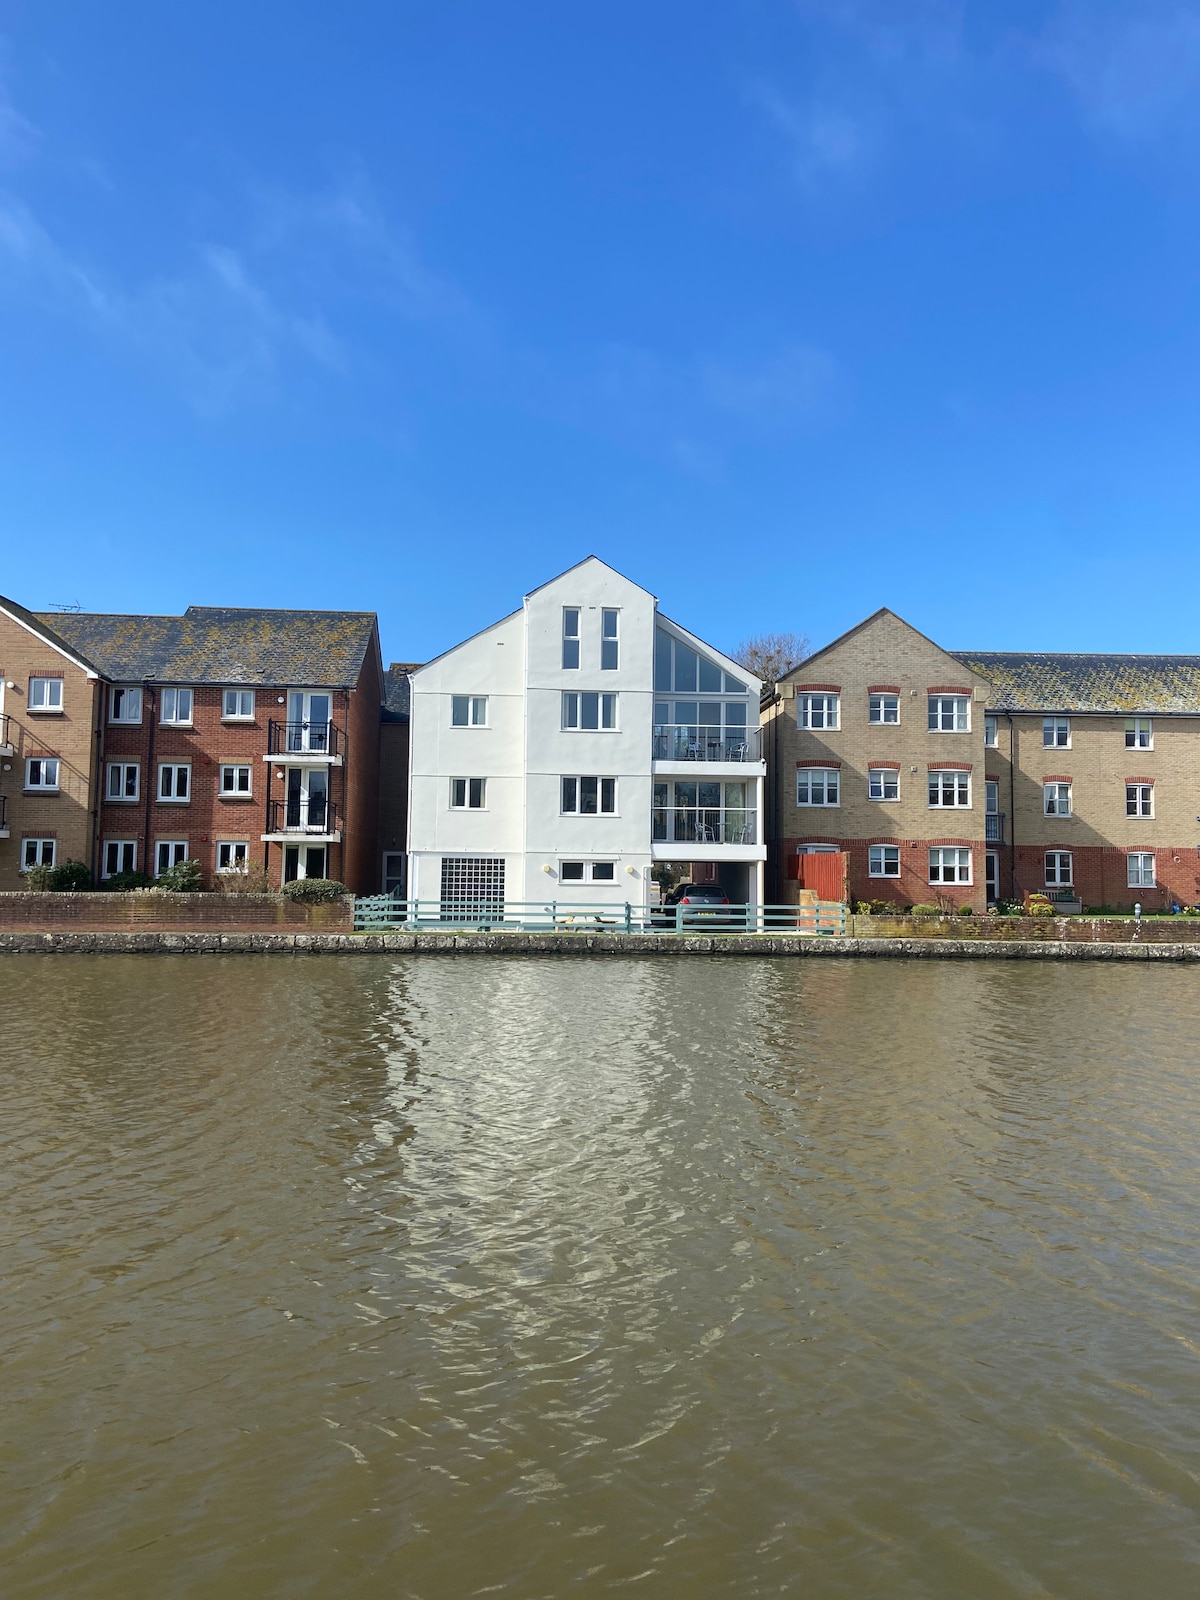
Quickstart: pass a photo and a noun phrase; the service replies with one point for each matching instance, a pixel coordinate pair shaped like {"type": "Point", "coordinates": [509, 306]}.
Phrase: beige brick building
{"type": "Point", "coordinates": [50, 699]}
{"type": "Point", "coordinates": [961, 778]}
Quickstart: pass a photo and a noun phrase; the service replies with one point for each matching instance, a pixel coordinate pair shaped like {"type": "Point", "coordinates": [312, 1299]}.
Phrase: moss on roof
{"type": "Point", "coordinates": [1045, 681]}
{"type": "Point", "coordinates": [224, 644]}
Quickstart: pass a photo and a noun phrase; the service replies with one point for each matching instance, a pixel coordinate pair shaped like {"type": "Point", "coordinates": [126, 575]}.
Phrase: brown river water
{"type": "Point", "coordinates": [442, 1277]}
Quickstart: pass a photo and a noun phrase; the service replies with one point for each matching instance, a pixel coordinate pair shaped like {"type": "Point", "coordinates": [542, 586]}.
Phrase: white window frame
{"type": "Point", "coordinates": [234, 791]}
{"type": "Point", "coordinates": [39, 848]}
{"type": "Point", "coordinates": [41, 700]}
{"type": "Point", "coordinates": [991, 732]}
{"type": "Point", "coordinates": [1135, 876]}
{"type": "Point", "coordinates": [124, 768]}
{"type": "Point", "coordinates": [579, 779]}
{"type": "Point", "coordinates": [1141, 797]}
{"type": "Point", "coordinates": [42, 762]}
{"type": "Point", "coordinates": [1139, 733]}
{"type": "Point", "coordinates": [573, 706]}
{"type": "Point", "coordinates": [1058, 800]}
{"type": "Point", "coordinates": [467, 792]}
{"type": "Point", "coordinates": [610, 659]}
{"type": "Point", "coordinates": [172, 845]}
{"type": "Point", "coordinates": [819, 712]}
{"type": "Point", "coordinates": [175, 768]}
{"type": "Point", "coordinates": [173, 719]}
{"type": "Point", "coordinates": [883, 778]}
{"type": "Point", "coordinates": [1056, 733]}
{"type": "Point", "coordinates": [587, 871]}
{"type": "Point", "coordinates": [243, 705]}
{"type": "Point", "coordinates": [880, 857]}
{"type": "Point", "coordinates": [1058, 875]}
{"type": "Point", "coordinates": [234, 863]}
{"type": "Point", "coordinates": [878, 706]}
{"type": "Point", "coordinates": [954, 782]}
{"type": "Point", "coordinates": [474, 709]}
{"type": "Point", "coordinates": [572, 623]}
{"type": "Point", "coordinates": [963, 855]}
{"type": "Point", "coordinates": [125, 704]}
{"type": "Point", "coordinates": [830, 779]}
{"type": "Point", "coordinates": [959, 712]}
{"type": "Point", "coordinates": [118, 844]}
{"type": "Point", "coordinates": [991, 796]}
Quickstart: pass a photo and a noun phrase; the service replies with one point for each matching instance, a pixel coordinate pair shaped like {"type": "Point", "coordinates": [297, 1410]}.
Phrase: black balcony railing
{"type": "Point", "coordinates": [317, 814]}
{"type": "Point", "coordinates": [302, 738]}
{"type": "Point", "coordinates": [995, 827]}
{"type": "Point", "coordinates": [3, 811]}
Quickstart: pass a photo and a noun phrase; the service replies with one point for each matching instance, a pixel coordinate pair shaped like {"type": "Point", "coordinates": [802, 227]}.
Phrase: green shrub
{"type": "Point", "coordinates": [185, 877]}
{"type": "Point", "coordinates": [313, 891]}
{"type": "Point", "coordinates": [72, 877]}
{"type": "Point", "coordinates": [39, 879]}
{"type": "Point", "coordinates": [926, 911]}
{"type": "Point", "coordinates": [966, 911]}
{"type": "Point", "coordinates": [129, 880]}
{"type": "Point", "coordinates": [1037, 905]}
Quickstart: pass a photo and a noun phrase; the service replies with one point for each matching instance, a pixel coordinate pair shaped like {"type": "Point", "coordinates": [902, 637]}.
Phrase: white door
{"type": "Point", "coordinates": [308, 720]}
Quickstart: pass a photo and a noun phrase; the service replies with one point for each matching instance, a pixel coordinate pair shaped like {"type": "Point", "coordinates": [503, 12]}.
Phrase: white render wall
{"type": "Point", "coordinates": [525, 751]}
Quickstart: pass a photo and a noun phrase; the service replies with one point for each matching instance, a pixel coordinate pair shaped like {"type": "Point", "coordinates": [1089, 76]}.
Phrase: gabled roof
{"type": "Point", "coordinates": [600, 563]}
{"type": "Point", "coordinates": [40, 626]}
{"type": "Point", "coordinates": [884, 611]}
{"type": "Point", "coordinates": [224, 644]}
{"type": "Point", "coordinates": [1046, 681]}
{"type": "Point", "coordinates": [732, 667]}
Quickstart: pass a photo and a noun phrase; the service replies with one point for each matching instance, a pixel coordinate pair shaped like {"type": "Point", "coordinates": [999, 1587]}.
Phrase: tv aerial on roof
{"type": "Point", "coordinates": [66, 605]}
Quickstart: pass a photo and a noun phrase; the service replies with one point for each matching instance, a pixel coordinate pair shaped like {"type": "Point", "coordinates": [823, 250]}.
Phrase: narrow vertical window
{"type": "Point", "coordinates": [570, 639]}
{"type": "Point", "coordinates": [609, 643]}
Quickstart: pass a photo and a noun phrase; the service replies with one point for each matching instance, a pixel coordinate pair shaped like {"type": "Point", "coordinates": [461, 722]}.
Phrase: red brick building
{"type": "Point", "coordinates": [236, 738]}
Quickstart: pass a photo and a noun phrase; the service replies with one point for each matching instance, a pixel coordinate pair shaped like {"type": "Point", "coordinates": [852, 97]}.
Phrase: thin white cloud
{"type": "Point", "coordinates": [1133, 69]}
{"type": "Point", "coordinates": [822, 138]}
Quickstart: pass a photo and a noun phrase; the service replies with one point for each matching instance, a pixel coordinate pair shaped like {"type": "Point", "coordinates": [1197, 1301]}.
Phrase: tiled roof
{"type": "Point", "coordinates": [397, 692]}
{"type": "Point", "coordinates": [223, 644]}
{"type": "Point", "coordinates": [1102, 683]}
{"type": "Point", "coordinates": [42, 625]}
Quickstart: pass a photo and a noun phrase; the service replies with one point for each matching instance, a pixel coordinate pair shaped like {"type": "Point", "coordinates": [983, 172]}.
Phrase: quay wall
{"type": "Point", "coordinates": [95, 913]}
{"type": "Point", "coordinates": [1048, 930]}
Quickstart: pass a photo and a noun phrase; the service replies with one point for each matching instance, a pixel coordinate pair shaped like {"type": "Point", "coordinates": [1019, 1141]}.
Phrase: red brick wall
{"type": "Point", "coordinates": [178, 912]}
{"type": "Point", "coordinates": [1101, 875]}
{"type": "Point", "coordinates": [912, 887]}
{"type": "Point", "coordinates": [361, 833]}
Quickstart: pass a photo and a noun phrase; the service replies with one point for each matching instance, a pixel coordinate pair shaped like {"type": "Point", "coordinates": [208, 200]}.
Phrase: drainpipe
{"type": "Point", "coordinates": [1012, 807]}
{"type": "Point", "coordinates": [98, 783]}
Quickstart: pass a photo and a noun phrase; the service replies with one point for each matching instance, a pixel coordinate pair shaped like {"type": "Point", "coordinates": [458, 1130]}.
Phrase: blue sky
{"type": "Point", "coordinates": [788, 310]}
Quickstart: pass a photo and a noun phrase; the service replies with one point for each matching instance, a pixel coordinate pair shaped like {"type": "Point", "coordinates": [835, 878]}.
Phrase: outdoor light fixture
{"type": "Point", "coordinates": [546, 869]}
{"type": "Point", "coordinates": [632, 871]}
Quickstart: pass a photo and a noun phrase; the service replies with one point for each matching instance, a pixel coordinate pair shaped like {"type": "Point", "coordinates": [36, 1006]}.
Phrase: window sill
{"type": "Point", "coordinates": [44, 711]}
{"type": "Point", "coordinates": [247, 721]}
{"type": "Point", "coordinates": [234, 797]}
{"type": "Point", "coordinates": [187, 727]}
{"type": "Point", "coordinates": [161, 801]}
{"type": "Point", "coordinates": [113, 722]}
{"type": "Point", "coordinates": [47, 792]}
{"type": "Point", "coordinates": [122, 800]}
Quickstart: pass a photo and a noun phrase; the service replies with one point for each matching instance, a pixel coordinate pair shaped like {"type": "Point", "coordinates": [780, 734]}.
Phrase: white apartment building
{"type": "Point", "coordinates": [562, 752]}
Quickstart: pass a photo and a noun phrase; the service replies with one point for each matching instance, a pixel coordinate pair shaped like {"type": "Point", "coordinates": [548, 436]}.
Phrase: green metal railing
{"type": "Point", "coordinates": [384, 913]}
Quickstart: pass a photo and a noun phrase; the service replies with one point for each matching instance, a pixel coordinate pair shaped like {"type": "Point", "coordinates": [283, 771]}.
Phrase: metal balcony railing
{"type": "Point", "coordinates": [302, 738]}
{"type": "Point", "coordinates": [994, 832]}
{"type": "Point", "coordinates": [703, 825]}
{"type": "Point", "coordinates": [4, 815]}
{"type": "Point", "coordinates": [5, 742]}
{"type": "Point", "coordinates": [317, 815]}
{"type": "Point", "coordinates": [678, 741]}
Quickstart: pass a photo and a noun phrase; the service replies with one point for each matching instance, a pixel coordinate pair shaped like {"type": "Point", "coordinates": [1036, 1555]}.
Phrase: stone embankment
{"type": "Point", "coordinates": [159, 942]}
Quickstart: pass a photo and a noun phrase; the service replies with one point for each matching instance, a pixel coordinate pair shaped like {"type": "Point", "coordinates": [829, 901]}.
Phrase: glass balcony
{"type": "Point", "coordinates": [681, 741]}
{"type": "Point", "coordinates": [702, 825]}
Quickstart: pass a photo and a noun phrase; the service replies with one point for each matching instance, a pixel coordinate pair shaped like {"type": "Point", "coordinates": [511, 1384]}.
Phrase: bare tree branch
{"type": "Point", "coordinates": [769, 655]}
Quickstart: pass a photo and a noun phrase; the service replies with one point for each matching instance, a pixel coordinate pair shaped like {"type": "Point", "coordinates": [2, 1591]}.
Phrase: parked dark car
{"type": "Point", "coordinates": [701, 902]}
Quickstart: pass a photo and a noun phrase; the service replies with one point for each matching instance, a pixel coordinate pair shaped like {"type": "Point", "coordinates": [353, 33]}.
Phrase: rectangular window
{"type": "Point", "coordinates": [1057, 798]}
{"type": "Point", "coordinates": [949, 864]}
{"type": "Point", "coordinates": [570, 638]}
{"type": "Point", "coordinates": [990, 732]}
{"type": "Point", "coordinates": [817, 786]}
{"type": "Point", "coordinates": [468, 710]}
{"type": "Point", "coordinates": [589, 796]}
{"type": "Point", "coordinates": [589, 711]}
{"type": "Point", "coordinates": [818, 710]}
{"type": "Point", "coordinates": [991, 798]}
{"type": "Point", "coordinates": [120, 855]}
{"type": "Point", "coordinates": [169, 853]}
{"type": "Point", "coordinates": [1056, 733]}
{"type": "Point", "coordinates": [949, 713]}
{"type": "Point", "coordinates": [1139, 733]}
{"type": "Point", "coordinates": [883, 783]}
{"type": "Point", "coordinates": [883, 861]}
{"type": "Point", "coordinates": [604, 871]}
{"type": "Point", "coordinates": [175, 706]}
{"type": "Point", "coordinates": [951, 788]}
{"type": "Point", "coordinates": [884, 708]}
{"type": "Point", "coordinates": [467, 794]}
{"type": "Point", "coordinates": [123, 780]}
{"type": "Point", "coordinates": [124, 705]}
{"type": "Point", "coordinates": [235, 780]}
{"type": "Point", "coordinates": [609, 644]}
{"type": "Point", "coordinates": [38, 853]}
{"type": "Point", "coordinates": [237, 705]}
{"type": "Point", "coordinates": [175, 781]}
{"type": "Point", "coordinates": [570, 871]}
{"type": "Point", "coordinates": [45, 694]}
{"type": "Point", "coordinates": [1139, 799]}
{"type": "Point", "coordinates": [233, 855]}
{"type": "Point", "coordinates": [1059, 870]}
{"type": "Point", "coordinates": [1140, 871]}
{"type": "Point", "coordinates": [41, 772]}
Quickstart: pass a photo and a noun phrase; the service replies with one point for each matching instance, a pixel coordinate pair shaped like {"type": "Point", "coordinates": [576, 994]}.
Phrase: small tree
{"type": "Point", "coordinates": [185, 877]}
{"type": "Point", "coordinates": [769, 655]}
